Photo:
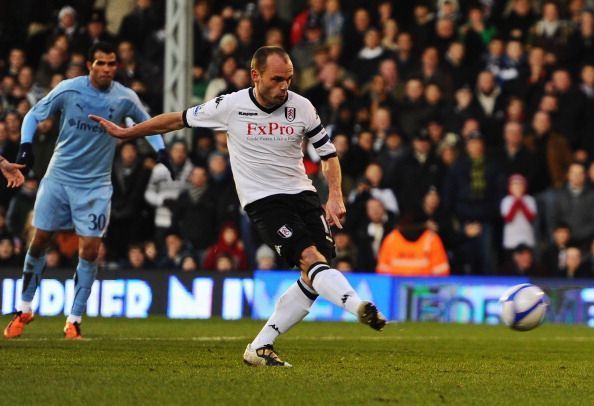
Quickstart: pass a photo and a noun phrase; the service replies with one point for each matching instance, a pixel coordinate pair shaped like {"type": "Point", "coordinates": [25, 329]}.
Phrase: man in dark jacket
{"type": "Point", "coordinates": [474, 188]}
{"type": "Point", "coordinates": [194, 214]}
{"type": "Point", "coordinates": [574, 205]}
{"type": "Point", "coordinates": [129, 212]}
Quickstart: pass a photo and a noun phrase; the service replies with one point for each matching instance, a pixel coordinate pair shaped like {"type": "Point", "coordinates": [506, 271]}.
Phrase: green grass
{"type": "Point", "coordinates": [159, 361]}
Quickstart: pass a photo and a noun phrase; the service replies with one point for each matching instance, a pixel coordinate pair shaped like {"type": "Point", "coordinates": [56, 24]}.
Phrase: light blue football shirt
{"type": "Point", "coordinates": [84, 152]}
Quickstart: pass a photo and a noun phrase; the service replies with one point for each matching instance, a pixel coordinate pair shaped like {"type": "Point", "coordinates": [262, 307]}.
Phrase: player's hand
{"type": "Point", "coordinates": [25, 155]}
{"type": "Point", "coordinates": [12, 173]}
{"type": "Point", "coordinates": [112, 129]}
{"type": "Point", "coordinates": [335, 210]}
{"type": "Point", "coordinates": [163, 158]}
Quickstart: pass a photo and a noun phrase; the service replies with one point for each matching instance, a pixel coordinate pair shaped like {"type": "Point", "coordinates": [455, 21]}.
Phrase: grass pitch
{"type": "Point", "coordinates": [159, 361]}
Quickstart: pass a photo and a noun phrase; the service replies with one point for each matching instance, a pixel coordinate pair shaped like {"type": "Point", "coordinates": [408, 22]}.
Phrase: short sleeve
{"type": "Point", "coordinates": [212, 114]}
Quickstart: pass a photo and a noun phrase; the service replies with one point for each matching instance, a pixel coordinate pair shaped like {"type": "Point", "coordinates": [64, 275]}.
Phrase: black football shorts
{"type": "Point", "coordinates": [291, 223]}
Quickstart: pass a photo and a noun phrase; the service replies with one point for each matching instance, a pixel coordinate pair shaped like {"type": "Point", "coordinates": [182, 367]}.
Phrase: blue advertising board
{"type": "Point", "coordinates": [204, 295]}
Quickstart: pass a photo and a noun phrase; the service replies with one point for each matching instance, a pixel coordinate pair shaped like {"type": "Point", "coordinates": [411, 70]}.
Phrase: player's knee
{"type": "Point", "coordinates": [88, 252]}
{"type": "Point", "coordinates": [310, 256]}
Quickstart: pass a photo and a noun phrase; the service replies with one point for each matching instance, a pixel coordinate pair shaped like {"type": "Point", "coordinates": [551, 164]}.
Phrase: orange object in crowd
{"type": "Point", "coordinates": [422, 257]}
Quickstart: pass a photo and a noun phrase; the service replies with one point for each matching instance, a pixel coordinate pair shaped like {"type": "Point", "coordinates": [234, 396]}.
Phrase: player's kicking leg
{"type": "Point", "coordinates": [295, 303]}
{"type": "Point", "coordinates": [86, 272]}
{"type": "Point", "coordinates": [32, 273]}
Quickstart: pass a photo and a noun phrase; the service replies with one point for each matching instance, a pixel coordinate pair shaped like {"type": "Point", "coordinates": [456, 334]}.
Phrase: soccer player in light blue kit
{"type": "Point", "coordinates": [76, 190]}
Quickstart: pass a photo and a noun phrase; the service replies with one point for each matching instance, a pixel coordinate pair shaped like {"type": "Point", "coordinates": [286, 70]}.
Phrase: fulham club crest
{"type": "Point", "coordinates": [290, 113]}
{"type": "Point", "coordinates": [285, 232]}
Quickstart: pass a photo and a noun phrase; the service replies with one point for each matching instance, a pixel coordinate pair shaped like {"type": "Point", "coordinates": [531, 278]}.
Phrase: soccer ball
{"type": "Point", "coordinates": [523, 307]}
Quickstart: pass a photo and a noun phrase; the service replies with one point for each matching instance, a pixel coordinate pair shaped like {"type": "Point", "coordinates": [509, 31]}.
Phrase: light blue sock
{"type": "Point", "coordinates": [32, 272]}
{"type": "Point", "coordinates": [86, 272]}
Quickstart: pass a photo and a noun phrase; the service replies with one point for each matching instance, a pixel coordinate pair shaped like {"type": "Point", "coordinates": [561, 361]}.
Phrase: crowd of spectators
{"type": "Point", "coordinates": [467, 124]}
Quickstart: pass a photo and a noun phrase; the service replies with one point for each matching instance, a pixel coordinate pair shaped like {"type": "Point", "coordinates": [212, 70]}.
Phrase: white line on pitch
{"type": "Point", "coordinates": [313, 338]}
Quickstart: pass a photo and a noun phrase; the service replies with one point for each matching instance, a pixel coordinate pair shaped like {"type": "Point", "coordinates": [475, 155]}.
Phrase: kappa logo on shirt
{"type": "Point", "coordinates": [285, 232]}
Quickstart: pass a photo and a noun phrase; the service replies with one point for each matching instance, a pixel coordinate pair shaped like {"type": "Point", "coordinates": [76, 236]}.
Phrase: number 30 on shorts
{"type": "Point", "coordinates": [97, 222]}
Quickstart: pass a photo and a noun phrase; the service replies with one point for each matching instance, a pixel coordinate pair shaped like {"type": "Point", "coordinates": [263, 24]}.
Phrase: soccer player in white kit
{"type": "Point", "coordinates": [266, 126]}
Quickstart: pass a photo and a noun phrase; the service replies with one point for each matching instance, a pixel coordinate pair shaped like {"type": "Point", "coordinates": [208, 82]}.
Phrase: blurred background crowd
{"type": "Point", "coordinates": [465, 130]}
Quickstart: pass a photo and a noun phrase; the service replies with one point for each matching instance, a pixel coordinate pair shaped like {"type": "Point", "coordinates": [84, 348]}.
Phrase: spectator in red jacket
{"type": "Point", "coordinates": [229, 243]}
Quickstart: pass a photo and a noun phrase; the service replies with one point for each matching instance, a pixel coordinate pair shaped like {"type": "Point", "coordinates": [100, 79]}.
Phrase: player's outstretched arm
{"type": "Point", "coordinates": [157, 125]}
{"type": "Point", "coordinates": [12, 172]}
{"type": "Point", "coordinates": [335, 209]}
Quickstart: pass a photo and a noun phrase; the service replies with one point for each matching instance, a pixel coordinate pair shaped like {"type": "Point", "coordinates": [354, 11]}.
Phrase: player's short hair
{"type": "Point", "coordinates": [261, 55]}
{"type": "Point", "coordinates": [104, 47]}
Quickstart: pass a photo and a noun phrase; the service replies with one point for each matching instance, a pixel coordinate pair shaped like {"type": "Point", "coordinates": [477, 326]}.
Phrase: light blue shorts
{"type": "Point", "coordinates": [62, 207]}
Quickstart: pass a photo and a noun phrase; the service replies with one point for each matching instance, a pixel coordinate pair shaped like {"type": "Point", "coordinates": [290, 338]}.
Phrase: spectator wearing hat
{"type": "Point", "coordinates": [95, 31]}
{"type": "Point", "coordinates": [518, 211]}
{"type": "Point", "coordinates": [265, 258]}
{"type": "Point", "coordinates": [474, 188]}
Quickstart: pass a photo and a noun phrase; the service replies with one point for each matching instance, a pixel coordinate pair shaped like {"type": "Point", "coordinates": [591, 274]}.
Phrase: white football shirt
{"type": "Point", "coordinates": [265, 145]}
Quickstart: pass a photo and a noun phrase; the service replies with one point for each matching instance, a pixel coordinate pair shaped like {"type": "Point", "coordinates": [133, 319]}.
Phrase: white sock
{"type": "Point", "coordinates": [290, 309]}
{"type": "Point", "coordinates": [26, 307]}
{"type": "Point", "coordinates": [74, 319]}
{"type": "Point", "coordinates": [333, 286]}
